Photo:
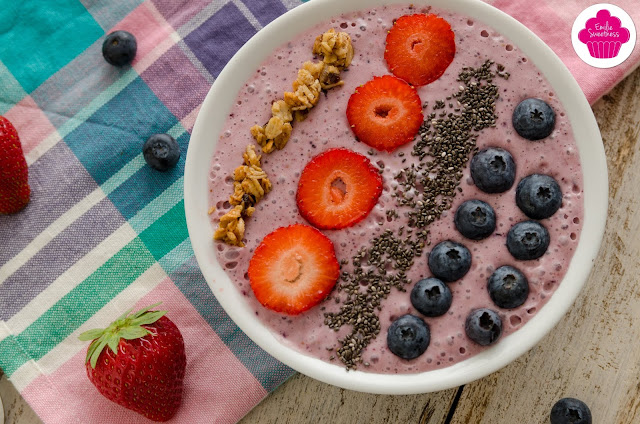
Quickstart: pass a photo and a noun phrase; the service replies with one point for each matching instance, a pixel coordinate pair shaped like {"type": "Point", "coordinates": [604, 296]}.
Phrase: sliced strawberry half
{"type": "Point", "coordinates": [337, 189]}
{"type": "Point", "coordinates": [419, 48]}
{"type": "Point", "coordinates": [293, 269]}
{"type": "Point", "coordinates": [385, 113]}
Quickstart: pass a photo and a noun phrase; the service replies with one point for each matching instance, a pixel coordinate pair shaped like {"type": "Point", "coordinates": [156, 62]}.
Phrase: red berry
{"type": "Point", "coordinates": [385, 113]}
{"type": "Point", "coordinates": [337, 189]}
{"type": "Point", "coordinates": [293, 269]}
{"type": "Point", "coordinates": [14, 174]}
{"type": "Point", "coordinates": [139, 362]}
{"type": "Point", "coordinates": [419, 48]}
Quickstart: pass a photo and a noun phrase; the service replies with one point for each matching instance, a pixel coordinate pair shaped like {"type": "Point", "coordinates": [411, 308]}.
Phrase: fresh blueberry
{"type": "Point", "coordinates": [475, 219]}
{"type": "Point", "coordinates": [570, 411]}
{"type": "Point", "coordinates": [449, 261]}
{"type": "Point", "coordinates": [431, 297]}
{"type": "Point", "coordinates": [533, 119]}
{"type": "Point", "coordinates": [483, 326]}
{"type": "Point", "coordinates": [408, 337]}
{"type": "Point", "coordinates": [527, 240]}
{"type": "Point", "coordinates": [161, 151]}
{"type": "Point", "coordinates": [508, 287]}
{"type": "Point", "coordinates": [119, 48]}
{"type": "Point", "coordinates": [538, 196]}
{"type": "Point", "coordinates": [493, 170]}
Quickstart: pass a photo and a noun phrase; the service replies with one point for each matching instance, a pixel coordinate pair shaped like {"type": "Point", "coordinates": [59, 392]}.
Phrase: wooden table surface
{"type": "Point", "coordinates": [592, 354]}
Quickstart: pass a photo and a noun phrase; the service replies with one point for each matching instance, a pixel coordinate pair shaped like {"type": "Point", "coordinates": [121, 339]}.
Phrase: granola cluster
{"type": "Point", "coordinates": [337, 52]}
{"type": "Point", "coordinates": [249, 187]}
{"type": "Point", "coordinates": [335, 48]}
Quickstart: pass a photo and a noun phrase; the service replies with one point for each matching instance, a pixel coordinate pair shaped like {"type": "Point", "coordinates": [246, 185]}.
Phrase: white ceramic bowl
{"type": "Point", "coordinates": [203, 142]}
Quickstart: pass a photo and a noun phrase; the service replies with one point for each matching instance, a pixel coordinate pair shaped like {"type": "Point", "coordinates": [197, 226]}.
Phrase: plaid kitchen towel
{"type": "Point", "coordinates": [104, 232]}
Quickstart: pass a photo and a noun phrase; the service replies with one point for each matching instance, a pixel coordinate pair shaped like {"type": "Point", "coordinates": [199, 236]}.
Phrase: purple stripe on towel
{"type": "Point", "coordinates": [57, 256]}
{"type": "Point", "coordinates": [58, 181]}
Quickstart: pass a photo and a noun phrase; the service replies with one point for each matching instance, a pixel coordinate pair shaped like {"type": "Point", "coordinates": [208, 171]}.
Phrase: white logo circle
{"type": "Point", "coordinates": [603, 35]}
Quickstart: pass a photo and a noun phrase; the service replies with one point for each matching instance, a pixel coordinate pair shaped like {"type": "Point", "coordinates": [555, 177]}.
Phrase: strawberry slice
{"type": "Point", "coordinates": [293, 269]}
{"type": "Point", "coordinates": [337, 189]}
{"type": "Point", "coordinates": [419, 48]}
{"type": "Point", "coordinates": [385, 113]}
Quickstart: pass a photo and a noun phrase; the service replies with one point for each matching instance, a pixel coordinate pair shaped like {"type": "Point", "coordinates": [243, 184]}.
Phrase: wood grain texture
{"type": "Point", "coordinates": [305, 400]}
{"type": "Point", "coordinates": [592, 354]}
{"type": "Point", "coordinates": [16, 409]}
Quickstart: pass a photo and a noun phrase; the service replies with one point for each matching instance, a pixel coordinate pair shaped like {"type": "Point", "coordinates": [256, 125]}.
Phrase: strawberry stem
{"type": "Point", "coordinates": [128, 326]}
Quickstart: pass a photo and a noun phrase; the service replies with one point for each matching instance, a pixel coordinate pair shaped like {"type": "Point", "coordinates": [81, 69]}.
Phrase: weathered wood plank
{"type": "Point", "coordinates": [305, 400]}
{"type": "Point", "coordinates": [16, 409]}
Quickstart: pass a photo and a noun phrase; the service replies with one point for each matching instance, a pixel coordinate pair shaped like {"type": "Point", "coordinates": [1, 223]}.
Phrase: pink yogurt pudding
{"type": "Point", "coordinates": [327, 127]}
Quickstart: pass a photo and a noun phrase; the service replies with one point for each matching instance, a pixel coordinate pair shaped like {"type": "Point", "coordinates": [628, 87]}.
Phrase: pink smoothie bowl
{"type": "Point", "coordinates": [211, 119]}
{"type": "Point", "coordinates": [604, 35]}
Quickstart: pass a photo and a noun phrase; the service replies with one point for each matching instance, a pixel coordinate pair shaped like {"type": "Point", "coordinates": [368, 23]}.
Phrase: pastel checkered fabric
{"type": "Point", "coordinates": [104, 232]}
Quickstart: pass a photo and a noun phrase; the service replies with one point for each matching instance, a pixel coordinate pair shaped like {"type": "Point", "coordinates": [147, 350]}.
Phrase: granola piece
{"type": "Point", "coordinates": [250, 186]}
{"type": "Point", "coordinates": [305, 96]}
{"type": "Point", "coordinates": [250, 178]}
{"type": "Point", "coordinates": [281, 139]}
{"type": "Point", "coordinates": [305, 78]}
{"type": "Point", "coordinates": [315, 68]}
{"type": "Point", "coordinates": [250, 157]}
{"type": "Point", "coordinates": [306, 91]}
{"type": "Point", "coordinates": [238, 192]}
{"type": "Point", "coordinates": [231, 227]}
{"type": "Point", "coordinates": [277, 132]}
{"type": "Point", "coordinates": [258, 134]}
{"type": "Point", "coordinates": [330, 77]}
{"type": "Point", "coordinates": [281, 110]}
{"type": "Point", "coordinates": [335, 48]}
{"type": "Point", "coordinates": [276, 129]}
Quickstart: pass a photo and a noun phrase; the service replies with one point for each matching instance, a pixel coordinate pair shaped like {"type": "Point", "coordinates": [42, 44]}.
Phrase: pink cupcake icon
{"type": "Point", "coordinates": [604, 35]}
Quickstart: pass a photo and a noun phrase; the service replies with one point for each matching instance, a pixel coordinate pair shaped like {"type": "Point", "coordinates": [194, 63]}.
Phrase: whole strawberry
{"type": "Point", "coordinates": [139, 362]}
{"type": "Point", "coordinates": [14, 176]}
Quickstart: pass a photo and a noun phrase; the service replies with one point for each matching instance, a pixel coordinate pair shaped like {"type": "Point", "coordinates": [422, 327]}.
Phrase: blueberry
{"type": "Point", "coordinates": [570, 411]}
{"type": "Point", "coordinates": [483, 326]}
{"type": "Point", "coordinates": [493, 170]}
{"type": "Point", "coordinates": [527, 240]}
{"type": "Point", "coordinates": [119, 48]}
{"type": "Point", "coordinates": [538, 196]}
{"type": "Point", "coordinates": [508, 287]}
{"type": "Point", "coordinates": [449, 261]}
{"type": "Point", "coordinates": [161, 151]}
{"type": "Point", "coordinates": [408, 337]}
{"type": "Point", "coordinates": [533, 119]}
{"type": "Point", "coordinates": [431, 297]}
{"type": "Point", "coordinates": [475, 219]}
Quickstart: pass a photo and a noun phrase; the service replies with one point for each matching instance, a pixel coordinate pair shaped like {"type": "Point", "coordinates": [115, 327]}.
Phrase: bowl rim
{"type": "Point", "coordinates": [202, 146]}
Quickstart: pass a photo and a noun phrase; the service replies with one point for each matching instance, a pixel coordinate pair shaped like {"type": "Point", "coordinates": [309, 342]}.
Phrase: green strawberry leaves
{"type": "Point", "coordinates": [128, 327]}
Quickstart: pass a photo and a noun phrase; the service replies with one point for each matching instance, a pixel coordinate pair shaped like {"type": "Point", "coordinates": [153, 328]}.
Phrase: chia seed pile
{"type": "Point", "coordinates": [425, 190]}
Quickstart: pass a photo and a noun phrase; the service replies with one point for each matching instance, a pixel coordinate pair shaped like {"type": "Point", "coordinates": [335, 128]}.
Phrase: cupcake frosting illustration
{"type": "Point", "coordinates": [604, 35]}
